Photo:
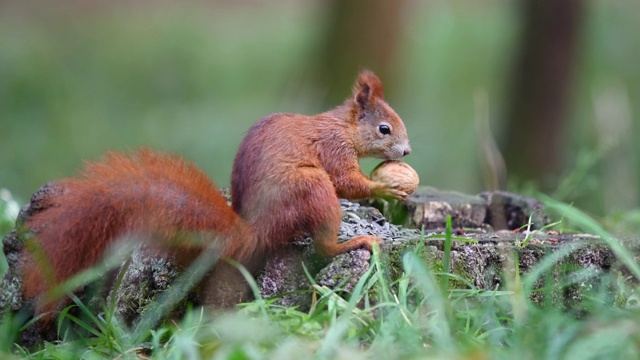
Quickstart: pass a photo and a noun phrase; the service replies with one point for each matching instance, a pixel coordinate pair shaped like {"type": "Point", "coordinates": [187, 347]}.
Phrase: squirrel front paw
{"type": "Point", "coordinates": [389, 191]}
{"type": "Point", "coordinates": [396, 178]}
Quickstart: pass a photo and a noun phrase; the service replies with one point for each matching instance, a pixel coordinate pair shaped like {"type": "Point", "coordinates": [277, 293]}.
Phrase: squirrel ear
{"type": "Point", "coordinates": [366, 88]}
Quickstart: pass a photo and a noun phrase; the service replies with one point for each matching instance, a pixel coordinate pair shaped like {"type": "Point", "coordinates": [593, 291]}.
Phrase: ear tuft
{"type": "Point", "coordinates": [367, 88]}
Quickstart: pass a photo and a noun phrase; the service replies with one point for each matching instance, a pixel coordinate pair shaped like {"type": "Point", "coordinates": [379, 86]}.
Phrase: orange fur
{"type": "Point", "coordinates": [287, 177]}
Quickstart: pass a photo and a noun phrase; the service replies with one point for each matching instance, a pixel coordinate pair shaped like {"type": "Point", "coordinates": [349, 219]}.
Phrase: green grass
{"type": "Point", "coordinates": [417, 315]}
{"type": "Point", "coordinates": [9, 209]}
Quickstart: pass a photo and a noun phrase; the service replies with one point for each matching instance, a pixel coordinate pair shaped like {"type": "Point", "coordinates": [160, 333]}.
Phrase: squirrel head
{"type": "Point", "coordinates": [381, 132]}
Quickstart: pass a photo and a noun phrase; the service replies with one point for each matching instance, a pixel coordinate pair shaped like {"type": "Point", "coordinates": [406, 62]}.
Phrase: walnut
{"type": "Point", "coordinates": [398, 173]}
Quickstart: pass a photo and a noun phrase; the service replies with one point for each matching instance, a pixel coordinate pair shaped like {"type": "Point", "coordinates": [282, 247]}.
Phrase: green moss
{"type": "Point", "coordinates": [392, 255]}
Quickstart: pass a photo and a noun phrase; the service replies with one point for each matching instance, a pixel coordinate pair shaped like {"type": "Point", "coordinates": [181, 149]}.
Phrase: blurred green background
{"type": "Point", "coordinates": [550, 91]}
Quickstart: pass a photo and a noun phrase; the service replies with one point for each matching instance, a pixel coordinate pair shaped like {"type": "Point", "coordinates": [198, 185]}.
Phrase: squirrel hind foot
{"type": "Point", "coordinates": [367, 242]}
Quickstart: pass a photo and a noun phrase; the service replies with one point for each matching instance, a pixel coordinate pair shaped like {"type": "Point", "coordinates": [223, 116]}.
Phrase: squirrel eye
{"type": "Point", "coordinates": [384, 129]}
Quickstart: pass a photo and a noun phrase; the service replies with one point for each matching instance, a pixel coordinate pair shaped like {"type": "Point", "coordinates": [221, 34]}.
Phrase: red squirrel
{"type": "Point", "coordinates": [287, 177]}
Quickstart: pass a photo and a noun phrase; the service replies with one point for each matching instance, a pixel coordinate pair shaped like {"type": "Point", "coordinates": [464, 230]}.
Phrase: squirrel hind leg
{"type": "Point", "coordinates": [325, 231]}
{"type": "Point", "coordinates": [326, 243]}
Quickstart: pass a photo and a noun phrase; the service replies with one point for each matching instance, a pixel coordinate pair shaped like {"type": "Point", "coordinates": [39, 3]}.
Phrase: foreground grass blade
{"type": "Point", "coordinates": [436, 301]}
{"type": "Point", "coordinates": [591, 226]}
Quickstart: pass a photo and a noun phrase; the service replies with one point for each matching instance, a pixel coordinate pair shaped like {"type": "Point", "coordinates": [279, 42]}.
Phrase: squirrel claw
{"type": "Point", "coordinates": [396, 194]}
{"type": "Point", "coordinates": [388, 191]}
{"type": "Point", "coordinates": [373, 241]}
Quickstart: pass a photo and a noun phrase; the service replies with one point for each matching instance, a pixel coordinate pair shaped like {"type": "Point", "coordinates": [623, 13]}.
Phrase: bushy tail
{"type": "Point", "coordinates": [149, 195]}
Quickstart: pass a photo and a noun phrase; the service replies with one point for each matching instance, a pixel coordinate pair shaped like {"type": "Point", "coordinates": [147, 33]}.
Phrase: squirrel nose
{"type": "Point", "coordinates": [406, 151]}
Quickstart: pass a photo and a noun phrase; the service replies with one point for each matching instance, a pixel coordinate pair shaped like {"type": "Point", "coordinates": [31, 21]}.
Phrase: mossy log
{"type": "Point", "coordinates": [490, 224]}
